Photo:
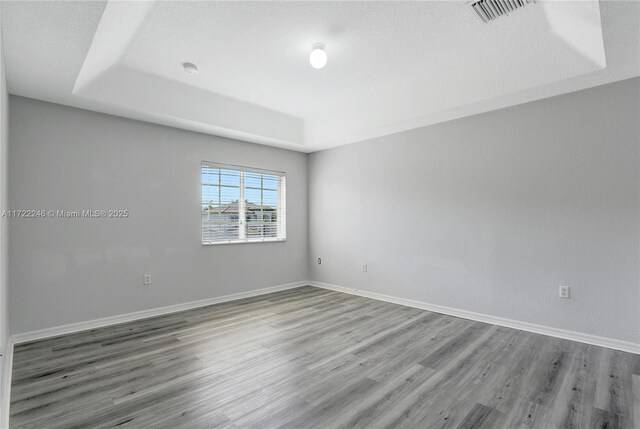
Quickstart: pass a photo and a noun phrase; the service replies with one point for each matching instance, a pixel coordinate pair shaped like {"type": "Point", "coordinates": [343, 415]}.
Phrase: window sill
{"type": "Point", "coordinates": [271, 240]}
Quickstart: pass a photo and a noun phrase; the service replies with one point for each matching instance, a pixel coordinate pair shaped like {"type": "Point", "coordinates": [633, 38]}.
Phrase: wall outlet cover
{"type": "Point", "coordinates": [564, 292]}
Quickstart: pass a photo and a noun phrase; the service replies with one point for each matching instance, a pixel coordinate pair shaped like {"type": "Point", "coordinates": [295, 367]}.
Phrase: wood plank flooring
{"type": "Point", "coordinates": [312, 358]}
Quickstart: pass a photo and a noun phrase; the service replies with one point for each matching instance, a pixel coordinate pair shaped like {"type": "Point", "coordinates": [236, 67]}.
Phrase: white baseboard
{"type": "Point", "coordinates": [523, 326]}
{"type": "Point", "coordinates": [5, 387]}
{"type": "Point", "coordinates": [144, 314]}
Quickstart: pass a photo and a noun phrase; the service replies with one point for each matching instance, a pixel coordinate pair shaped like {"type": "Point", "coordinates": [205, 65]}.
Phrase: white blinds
{"type": "Point", "coordinates": [241, 204]}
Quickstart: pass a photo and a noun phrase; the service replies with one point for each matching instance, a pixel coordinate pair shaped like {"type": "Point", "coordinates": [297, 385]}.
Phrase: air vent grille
{"type": "Point", "coordinates": [489, 10]}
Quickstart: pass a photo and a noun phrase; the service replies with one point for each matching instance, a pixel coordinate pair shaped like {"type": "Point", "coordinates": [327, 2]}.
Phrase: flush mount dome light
{"type": "Point", "coordinates": [318, 57]}
{"type": "Point", "coordinates": [190, 68]}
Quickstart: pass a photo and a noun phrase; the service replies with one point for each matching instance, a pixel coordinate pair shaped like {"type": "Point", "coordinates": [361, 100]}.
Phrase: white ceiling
{"type": "Point", "coordinates": [392, 66]}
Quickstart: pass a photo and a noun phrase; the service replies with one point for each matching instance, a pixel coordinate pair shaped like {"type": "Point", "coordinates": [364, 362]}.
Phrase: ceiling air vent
{"type": "Point", "coordinates": [489, 10]}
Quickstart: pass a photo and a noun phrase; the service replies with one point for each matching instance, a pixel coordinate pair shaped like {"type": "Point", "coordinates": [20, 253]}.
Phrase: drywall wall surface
{"type": "Point", "coordinates": [71, 270]}
{"type": "Point", "coordinates": [492, 213]}
{"type": "Point", "coordinates": [4, 235]}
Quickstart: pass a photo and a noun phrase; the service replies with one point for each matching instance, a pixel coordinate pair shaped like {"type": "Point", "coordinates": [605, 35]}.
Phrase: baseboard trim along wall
{"type": "Point", "coordinates": [510, 323]}
{"type": "Point", "coordinates": [5, 388]}
{"type": "Point", "coordinates": [144, 314]}
{"type": "Point", "coordinates": [624, 346]}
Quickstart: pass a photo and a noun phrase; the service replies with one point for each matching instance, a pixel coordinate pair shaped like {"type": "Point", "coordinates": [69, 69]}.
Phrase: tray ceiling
{"type": "Point", "coordinates": [392, 66]}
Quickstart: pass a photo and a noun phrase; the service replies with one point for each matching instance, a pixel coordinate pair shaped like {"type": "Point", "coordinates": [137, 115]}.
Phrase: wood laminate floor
{"type": "Point", "coordinates": [313, 358]}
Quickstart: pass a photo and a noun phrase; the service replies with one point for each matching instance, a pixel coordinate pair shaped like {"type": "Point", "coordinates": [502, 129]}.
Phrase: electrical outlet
{"type": "Point", "coordinates": [564, 292]}
{"type": "Point", "coordinates": [364, 268]}
{"type": "Point", "coordinates": [319, 261]}
{"type": "Point", "coordinates": [147, 279]}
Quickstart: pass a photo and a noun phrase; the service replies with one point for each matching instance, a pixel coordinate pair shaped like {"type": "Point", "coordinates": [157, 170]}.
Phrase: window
{"type": "Point", "coordinates": [242, 204]}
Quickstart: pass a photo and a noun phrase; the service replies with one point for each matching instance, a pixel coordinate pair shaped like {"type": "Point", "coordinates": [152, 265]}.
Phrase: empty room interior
{"type": "Point", "coordinates": [304, 214]}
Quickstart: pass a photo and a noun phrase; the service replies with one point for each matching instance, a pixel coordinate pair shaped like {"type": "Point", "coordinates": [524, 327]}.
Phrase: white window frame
{"type": "Point", "coordinates": [281, 211]}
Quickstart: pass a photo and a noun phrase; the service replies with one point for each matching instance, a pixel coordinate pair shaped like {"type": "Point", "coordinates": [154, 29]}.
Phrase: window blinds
{"type": "Point", "coordinates": [241, 204]}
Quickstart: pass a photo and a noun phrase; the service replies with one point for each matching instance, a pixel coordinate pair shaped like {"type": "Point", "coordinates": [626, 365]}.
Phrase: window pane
{"type": "Point", "coordinates": [230, 177]}
{"type": "Point", "coordinates": [270, 199]}
{"type": "Point", "coordinates": [270, 182]}
{"type": "Point", "coordinates": [252, 180]}
{"type": "Point", "coordinates": [253, 196]}
{"type": "Point", "coordinates": [210, 195]}
{"type": "Point", "coordinates": [229, 195]}
{"type": "Point", "coordinates": [210, 176]}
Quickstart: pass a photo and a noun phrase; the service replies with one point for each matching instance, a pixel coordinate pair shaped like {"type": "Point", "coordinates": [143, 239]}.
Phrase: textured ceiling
{"type": "Point", "coordinates": [392, 65]}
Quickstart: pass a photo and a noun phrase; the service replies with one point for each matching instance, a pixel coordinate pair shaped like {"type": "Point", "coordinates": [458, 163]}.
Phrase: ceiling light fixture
{"type": "Point", "coordinates": [318, 57]}
{"type": "Point", "coordinates": [190, 68]}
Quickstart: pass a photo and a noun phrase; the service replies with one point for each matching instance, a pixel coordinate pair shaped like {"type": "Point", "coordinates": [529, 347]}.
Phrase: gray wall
{"type": "Point", "coordinates": [492, 213]}
{"type": "Point", "coordinates": [4, 254]}
{"type": "Point", "coordinates": [71, 270]}
{"type": "Point", "coordinates": [489, 213]}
